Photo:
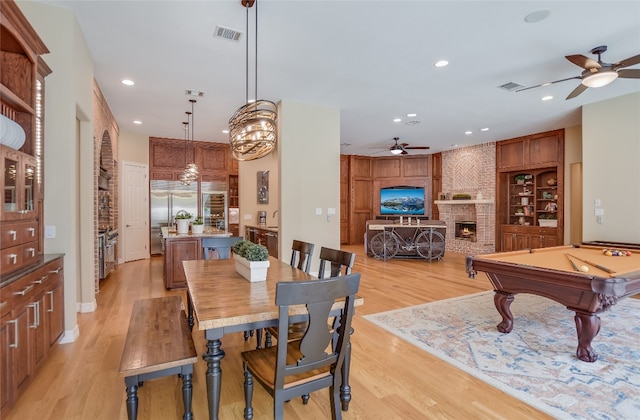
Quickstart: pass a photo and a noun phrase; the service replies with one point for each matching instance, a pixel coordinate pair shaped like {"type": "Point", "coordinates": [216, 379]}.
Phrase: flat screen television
{"type": "Point", "coordinates": [402, 201]}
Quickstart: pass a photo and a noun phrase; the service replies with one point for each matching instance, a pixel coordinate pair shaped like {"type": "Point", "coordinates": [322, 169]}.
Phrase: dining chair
{"type": "Point", "coordinates": [301, 253]}
{"type": "Point", "coordinates": [222, 246]}
{"type": "Point", "coordinates": [316, 361]}
{"type": "Point", "coordinates": [340, 262]}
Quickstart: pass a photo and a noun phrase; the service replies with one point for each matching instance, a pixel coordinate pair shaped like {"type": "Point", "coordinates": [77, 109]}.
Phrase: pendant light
{"type": "Point", "coordinates": [184, 178]}
{"type": "Point", "coordinates": [253, 128]}
{"type": "Point", "coordinates": [192, 169]}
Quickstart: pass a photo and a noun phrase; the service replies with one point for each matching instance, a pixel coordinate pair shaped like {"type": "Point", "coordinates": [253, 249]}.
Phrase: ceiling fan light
{"type": "Point", "coordinates": [396, 151]}
{"type": "Point", "coordinates": [599, 79]}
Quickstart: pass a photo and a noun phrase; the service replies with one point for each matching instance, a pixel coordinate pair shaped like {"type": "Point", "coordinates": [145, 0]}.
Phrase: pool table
{"type": "Point", "coordinates": [548, 272]}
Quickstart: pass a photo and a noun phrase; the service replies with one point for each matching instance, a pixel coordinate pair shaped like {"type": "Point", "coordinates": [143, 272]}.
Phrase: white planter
{"type": "Point", "coordinates": [197, 228]}
{"type": "Point", "coordinates": [182, 225]}
{"type": "Point", "coordinates": [251, 270]}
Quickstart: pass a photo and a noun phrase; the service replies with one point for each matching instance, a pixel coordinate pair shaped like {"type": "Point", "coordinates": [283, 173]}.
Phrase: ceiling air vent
{"type": "Point", "coordinates": [511, 86]}
{"type": "Point", "coordinates": [413, 122]}
{"type": "Point", "coordinates": [227, 33]}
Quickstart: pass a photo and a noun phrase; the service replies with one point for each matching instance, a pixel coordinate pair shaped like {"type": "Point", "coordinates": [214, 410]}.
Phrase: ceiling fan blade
{"type": "Point", "coordinates": [418, 147]}
{"type": "Point", "coordinates": [582, 61]}
{"type": "Point", "coordinates": [549, 83]}
{"type": "Point", "coordinates": [577, 91]}
{"type": "Point", "coordinates": [631, 61]}
{"type": "Point", "coordinates": [404, 152]}
{"type": "Point", "coordinates": [629, 73]}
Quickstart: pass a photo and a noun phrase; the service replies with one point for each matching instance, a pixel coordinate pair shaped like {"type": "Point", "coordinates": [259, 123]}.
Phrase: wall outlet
{"type": "Point", "coordinates": [49, 232]}
{"type": "Point", "coordinates": [331, 211]}
{"type": "Point", "coordinates": [247, 217]}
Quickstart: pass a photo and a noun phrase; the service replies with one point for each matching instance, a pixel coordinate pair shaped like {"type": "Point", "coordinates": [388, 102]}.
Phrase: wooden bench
{"type": "Point", "coordinates": [158, 344]}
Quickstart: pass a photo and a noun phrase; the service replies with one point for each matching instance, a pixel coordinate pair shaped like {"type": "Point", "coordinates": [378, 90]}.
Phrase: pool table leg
{"type": "Point", "coordinates": [587, 326]}
{"type": "Point", "coordinates": [503, 305]}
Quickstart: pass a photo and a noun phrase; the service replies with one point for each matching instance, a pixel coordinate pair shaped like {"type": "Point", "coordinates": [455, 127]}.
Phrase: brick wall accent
{"type": "Point", "coordinates": [470, 170]}
{"type": "Point", "coordinates": [105, 154]}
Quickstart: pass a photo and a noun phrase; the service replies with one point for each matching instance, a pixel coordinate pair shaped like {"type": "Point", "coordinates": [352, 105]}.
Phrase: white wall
{"type": "Point", "coordinates": [68, 152]}
{"type": "Point", "coordinates": [611, 168]}
{"type": "Point", "coordinates": [309, 176]}
{"type": "Point", "coordinates": [572, 154]}
{"type": "Point", "coordinates": [133, 147]}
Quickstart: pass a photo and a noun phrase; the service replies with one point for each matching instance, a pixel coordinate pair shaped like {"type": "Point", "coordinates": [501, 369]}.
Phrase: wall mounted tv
{"type": "Point", "coordinates": [402, 201]}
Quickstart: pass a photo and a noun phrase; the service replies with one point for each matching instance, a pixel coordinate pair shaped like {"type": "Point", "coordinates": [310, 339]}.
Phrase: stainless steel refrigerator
{"type": "Point", "coordinates": [166, 199]}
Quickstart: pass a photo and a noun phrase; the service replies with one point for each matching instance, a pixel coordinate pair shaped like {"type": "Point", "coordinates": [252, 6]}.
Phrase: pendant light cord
{"type": "Point", "coordinates": [246, 58]}
{"type": "Point", "coordinates": [256, 54]}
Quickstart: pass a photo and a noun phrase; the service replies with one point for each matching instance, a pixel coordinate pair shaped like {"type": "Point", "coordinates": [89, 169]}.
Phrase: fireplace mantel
{"type": "Point", "coordinates": [485, 201]}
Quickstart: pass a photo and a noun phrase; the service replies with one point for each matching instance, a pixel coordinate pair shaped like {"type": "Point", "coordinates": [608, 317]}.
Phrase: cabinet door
{"type": "Point", "coordinates": [513, 241]}
{"type": "Point", "coordinates": [21, 352]}
{"type": "Point", "coordinates": [176, 251]}
{"type": "Point", "coordinates": [6, 383]}
{"type": "Point", "coordinates": [39, 337]}
{"type": "Point", "coordinates": [54, 313]}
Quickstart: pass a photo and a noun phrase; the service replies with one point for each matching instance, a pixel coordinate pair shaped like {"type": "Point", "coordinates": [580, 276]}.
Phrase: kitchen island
{"type": "Point", "coordinates": [178, 247]}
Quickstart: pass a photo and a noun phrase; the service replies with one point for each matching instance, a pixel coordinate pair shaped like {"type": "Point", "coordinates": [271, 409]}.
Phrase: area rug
{"type": "Point", "coordinates": [536, 362]}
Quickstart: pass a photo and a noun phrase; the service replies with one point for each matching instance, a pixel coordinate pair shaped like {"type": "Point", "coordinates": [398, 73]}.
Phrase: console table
{"type": "Point", "coordinates": [395, 240]}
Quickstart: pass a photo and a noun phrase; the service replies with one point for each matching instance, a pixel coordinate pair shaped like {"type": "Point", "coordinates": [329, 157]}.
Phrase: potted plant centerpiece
{"type": "Point", "coordinates": [252, 260]}
{"type": "Point", "coordinates": [182, 221]}
{"type": "Point", "coordinates": [197, 226]}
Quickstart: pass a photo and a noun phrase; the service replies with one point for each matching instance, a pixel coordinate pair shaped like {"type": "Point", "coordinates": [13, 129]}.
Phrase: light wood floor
{"type": "Point", "coordinates": [390, 378]}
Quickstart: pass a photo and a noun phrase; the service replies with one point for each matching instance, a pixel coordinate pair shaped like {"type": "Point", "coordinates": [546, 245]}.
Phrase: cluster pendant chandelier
{"type": "Point", "coordinates": [191, 172]}
{"type": "Point", "coordinates": [252, 128]}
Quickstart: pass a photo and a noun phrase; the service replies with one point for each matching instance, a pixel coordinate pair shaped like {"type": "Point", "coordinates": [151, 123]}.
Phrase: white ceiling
{"type": "Point", "coordinates": [373, 60]}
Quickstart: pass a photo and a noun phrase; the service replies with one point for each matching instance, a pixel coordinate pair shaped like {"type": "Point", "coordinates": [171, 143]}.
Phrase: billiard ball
{"type": "Point", "coordinates": [584, 268]}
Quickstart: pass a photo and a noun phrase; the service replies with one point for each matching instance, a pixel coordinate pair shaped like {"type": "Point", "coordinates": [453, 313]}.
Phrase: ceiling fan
{"type": "Point", "coordinates": [597, 73]}
{"type": "Point", "coordinates": [401, 149]}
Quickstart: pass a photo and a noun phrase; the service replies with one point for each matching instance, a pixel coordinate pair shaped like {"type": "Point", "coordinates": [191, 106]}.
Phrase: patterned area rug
{"type": "Point", "coordinates": [536, 362]}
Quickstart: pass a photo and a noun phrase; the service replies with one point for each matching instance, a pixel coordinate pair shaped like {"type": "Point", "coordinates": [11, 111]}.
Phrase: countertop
{"type": "Point", "coordinates": [269, 228]}
{"type": "Point", "coordinates": [209, 232]}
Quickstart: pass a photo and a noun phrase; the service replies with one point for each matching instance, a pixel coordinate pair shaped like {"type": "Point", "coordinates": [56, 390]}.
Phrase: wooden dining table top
{"type": "Point", "coordinates": [221, 297]}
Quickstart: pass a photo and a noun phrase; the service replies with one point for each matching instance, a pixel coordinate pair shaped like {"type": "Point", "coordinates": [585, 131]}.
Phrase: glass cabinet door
{"type": "Point", "coordinates": [10, 185]}
{"type": "Point", "coordinates": [29, 187]}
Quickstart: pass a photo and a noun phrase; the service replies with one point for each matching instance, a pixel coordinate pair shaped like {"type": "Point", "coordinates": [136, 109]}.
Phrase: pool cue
{"type": "Point", "coordinates": [575, 267]}
{"type": "Point", "coordinates": [601, 267]}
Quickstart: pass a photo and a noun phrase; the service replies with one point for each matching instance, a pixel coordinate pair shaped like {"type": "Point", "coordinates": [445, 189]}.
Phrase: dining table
{"type": "Point", "coordinates": [220, 301]}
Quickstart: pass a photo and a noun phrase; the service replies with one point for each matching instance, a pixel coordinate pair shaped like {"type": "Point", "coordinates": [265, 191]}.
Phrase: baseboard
{"type": "Point", "coordinates": [69, 336]}
{"type": "Point", "coordinates": [86, 307]}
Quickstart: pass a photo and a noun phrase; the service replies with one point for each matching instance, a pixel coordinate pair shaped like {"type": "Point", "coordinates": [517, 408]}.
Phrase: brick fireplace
{"type": "Point", "coordinates": [459, 214]}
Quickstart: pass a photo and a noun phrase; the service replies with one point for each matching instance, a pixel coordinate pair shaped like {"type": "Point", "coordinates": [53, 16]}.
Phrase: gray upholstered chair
{"type": "Point", "coordinates": [221, 246]}
{"type": "Point", "coordinates": [315, 362]}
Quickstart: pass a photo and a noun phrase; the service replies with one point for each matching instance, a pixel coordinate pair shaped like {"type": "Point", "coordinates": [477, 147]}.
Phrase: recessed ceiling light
{"type": "Point", "coordinates": [537, 16]}
{"type": "Point", "coordinates": [225, 131]}
{"type": "Point", "coordinates": [128, 82]}
{"type": "Point", "coordinates": [397, 119]}
{"type": "Point", "coordinates": [484, 129]}
{"type": "Point", "coordinates": [194, 92]}
{"type": "Point", "coordinates": [137, 122]}
{"type": "Point", "coordinates": [547, 98]}
{"type": "Point", "coordinates": [412, 115]}
{"type": "Point", "coordinates": [442, 63]}
{"type": "Point", "coordinates": [468, 132]}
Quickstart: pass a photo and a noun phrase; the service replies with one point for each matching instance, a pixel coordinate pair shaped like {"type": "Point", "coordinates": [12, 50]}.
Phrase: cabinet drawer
{"type": "Point", "coordinates": [17, 257]}
{"type": "Point", "coordinates": [5, 300]}
{"type": "Point", "coordinates": [16, 233]}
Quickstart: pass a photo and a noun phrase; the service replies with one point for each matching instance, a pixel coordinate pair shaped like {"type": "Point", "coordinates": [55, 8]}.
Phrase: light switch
{"type": "Point", "coordinates": [247, 217]}
{"type": "Point", "coordinates": [599, 212]}
{"type": "Point", "coordinates": [331, 211]}
{"type": "Point", "coordinates": [597, 202]}
{"type": "Point", "coordinates": [318, 211]}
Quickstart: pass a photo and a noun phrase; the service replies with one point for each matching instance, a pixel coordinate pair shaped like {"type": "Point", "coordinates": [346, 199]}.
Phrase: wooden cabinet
{"type": "Point", "coordinates": [177, 250]}
{"type": "Point", "coordinates": [530, 191]}
{"type": "Point", "coordinates": [32, 322]}
{"type": "Point", "coordinates": [263, 236]}
{"type": "Point", "coordinates": [234, 228]}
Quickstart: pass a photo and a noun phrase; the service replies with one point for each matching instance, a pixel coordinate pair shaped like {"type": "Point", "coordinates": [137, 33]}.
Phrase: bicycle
{"type": "Point", "coordinates": [426, 241]}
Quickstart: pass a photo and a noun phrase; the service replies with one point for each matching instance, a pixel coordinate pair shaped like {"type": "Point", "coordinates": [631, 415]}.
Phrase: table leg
{"type": "Point", "coordinates": [190, 311]}
{"type": "Point", "coordinates": [587, 326]}
{"type": "Point", "coordinates": [213, 357]}
{"type": "Point", "coordinates": [503, 305]}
